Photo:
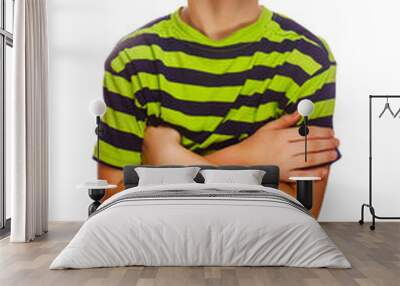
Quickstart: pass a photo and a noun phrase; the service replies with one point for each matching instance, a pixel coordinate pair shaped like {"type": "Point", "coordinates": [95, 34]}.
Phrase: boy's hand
{"type": "Point", "coordinates": [279, 143]}
{"type": "Point", "coordinates": [162, 146]}
{"type": "Point", "coordinates": [161, 135]}
{"type": "Point", "coordinates": [159, 143]}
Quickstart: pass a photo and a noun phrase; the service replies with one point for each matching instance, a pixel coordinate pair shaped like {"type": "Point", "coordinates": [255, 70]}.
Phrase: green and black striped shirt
{"type": "Point", "coordinates": [215, 93]}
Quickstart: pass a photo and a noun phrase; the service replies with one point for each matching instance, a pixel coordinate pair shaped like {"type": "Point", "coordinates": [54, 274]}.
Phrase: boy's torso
{"type": "Point", "coordinates": [216, 95]}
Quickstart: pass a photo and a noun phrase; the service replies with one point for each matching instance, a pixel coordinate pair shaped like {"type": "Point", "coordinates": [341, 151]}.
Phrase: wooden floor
{"type": "Point", "coordinates": [375, 257]}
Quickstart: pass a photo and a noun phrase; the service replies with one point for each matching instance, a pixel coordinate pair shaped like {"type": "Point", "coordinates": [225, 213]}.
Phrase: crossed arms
{"type": "Point", "coordinates": [276, 143]}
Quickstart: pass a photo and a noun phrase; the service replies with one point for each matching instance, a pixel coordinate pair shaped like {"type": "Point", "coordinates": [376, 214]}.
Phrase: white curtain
{"type": "Point", "coordinates": [28, 120]}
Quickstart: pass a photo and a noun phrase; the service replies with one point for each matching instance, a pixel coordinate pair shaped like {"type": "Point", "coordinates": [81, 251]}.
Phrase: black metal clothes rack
{"type": "Point", "coordinates": [370, 204]}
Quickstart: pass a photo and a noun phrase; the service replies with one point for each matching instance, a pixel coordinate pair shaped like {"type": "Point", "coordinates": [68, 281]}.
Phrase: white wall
{"type": "Point", "coordinates": [363, 35]}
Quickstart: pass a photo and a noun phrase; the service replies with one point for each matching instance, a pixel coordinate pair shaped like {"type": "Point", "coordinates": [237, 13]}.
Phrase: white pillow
{"type": "Point", "coordinates": [163, 176]}
{"type": "Point", "coordinates": [247, 177]}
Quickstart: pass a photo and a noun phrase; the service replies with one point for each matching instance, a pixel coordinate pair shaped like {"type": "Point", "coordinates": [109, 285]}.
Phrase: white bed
{"type": "Point", "coordinates": [201, 224]}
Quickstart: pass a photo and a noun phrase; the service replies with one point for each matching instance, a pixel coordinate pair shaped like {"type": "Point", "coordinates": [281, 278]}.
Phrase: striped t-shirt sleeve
{"type": "Point", "coordinates": [124, 123]}
{"type": "Point", "coordinates": [320, 88]}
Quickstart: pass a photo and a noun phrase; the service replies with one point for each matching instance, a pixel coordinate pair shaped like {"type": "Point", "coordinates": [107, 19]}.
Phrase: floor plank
{"type": "Point", "coordinates": [375, 257]}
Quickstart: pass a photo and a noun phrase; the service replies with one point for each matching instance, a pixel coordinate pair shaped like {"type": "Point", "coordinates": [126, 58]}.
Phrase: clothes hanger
{"type": "Point", "coordinates": [397, 113]}
{"type": "Point", "coordinates": [387, 107]}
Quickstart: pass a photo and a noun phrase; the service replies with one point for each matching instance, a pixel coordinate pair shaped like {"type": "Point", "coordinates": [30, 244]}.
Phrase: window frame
{"type": "Point", "coordinates": [6, 39]}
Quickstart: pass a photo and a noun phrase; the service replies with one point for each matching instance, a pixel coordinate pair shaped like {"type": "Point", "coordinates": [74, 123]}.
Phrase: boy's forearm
{"type": "Point", "coordinates": [232, 155]}
{"type": "Point", "coordinates": [161, 146]}
{"type": "Point", "coordinates": [172, 154]}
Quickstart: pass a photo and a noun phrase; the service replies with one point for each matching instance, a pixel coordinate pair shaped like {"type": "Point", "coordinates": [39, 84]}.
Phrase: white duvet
{"type": "Point", "coordinates": [203, 231]}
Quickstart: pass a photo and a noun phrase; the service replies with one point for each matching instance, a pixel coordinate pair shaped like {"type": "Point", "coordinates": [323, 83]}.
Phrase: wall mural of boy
{"type": "Point", "coordinates": [218, 82]}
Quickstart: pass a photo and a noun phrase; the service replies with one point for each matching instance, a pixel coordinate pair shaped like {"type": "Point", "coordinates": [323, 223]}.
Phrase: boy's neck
{"type": "Point", "coordinates": [218, 19]}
